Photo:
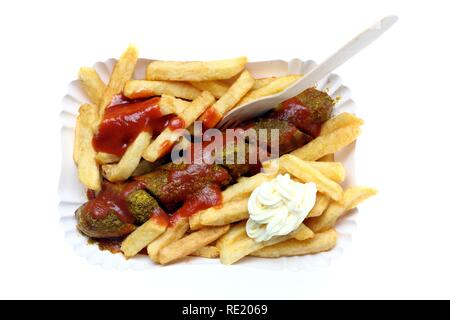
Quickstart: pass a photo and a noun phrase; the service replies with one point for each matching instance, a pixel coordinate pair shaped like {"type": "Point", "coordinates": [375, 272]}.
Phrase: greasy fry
{"type": "Point", "coordinates": [195, 70]}
{"type": "Point", "coordinates": [84, 153]}
{"type": "Point", "coordinates": [136, 89]}
{"type": "Point", "coordinates": [163, 143]}
{"type": "Point", "coordinates": [306, 173]}
{"type": "Point", "coordinates": [130, 160]}
{"type": "Point", "coordinates": [172, 233]}
{"type": "Point", "coordinates": [190, 243]}
{"type": "Point", "coordinates": [333, 170]}
{"type": "Point", "coordinates": [342, 120]}
{"type": "Point", "coordinates": [106, 158]}
{"type": "Point", "coordinates": [122, 72]}
{"type": "Point", "coordinates": [322, 202]}
{"type": "Point", "coordinates": [141, 237]}
{"type": "Point", "coordinates": [329, 143]}
{"type": "Point", "coordinates": [352, 197]}
{"type": "Point", "coordinates": [238, 89]}
{"type": "Point", "coordinates": [273, 87]}
{"type": "Point", "coordinates": [321, 242]}
{"type": "Point", "coordinates": [216, 88]}
{"type": "Point", "coordinates": [92, 84]}
{"type": "Point", "coordinates": [209, 252]}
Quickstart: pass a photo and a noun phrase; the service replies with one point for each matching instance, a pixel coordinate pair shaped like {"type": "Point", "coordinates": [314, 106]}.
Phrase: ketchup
{"type": "Point", "coordinates": [210, 118]}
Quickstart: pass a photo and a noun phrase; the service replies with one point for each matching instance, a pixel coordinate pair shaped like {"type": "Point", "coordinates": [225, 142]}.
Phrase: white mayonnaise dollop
{"type": "Point", "coordinates": [278, 207]}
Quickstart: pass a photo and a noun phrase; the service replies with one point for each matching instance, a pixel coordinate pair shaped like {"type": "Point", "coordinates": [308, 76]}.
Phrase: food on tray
{"type": "Point", "coordinates": [164, 181]}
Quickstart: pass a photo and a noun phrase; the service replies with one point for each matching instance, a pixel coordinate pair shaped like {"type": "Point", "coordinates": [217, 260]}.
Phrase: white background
{"type": "Point", "coordinates": [400, 84]}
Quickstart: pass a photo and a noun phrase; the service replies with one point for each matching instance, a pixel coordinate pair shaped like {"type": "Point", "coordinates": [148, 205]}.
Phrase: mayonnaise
{"type": "Point", "coordinates": [278, 207]}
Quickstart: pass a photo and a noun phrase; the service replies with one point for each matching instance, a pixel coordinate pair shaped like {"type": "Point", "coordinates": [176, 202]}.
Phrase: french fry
{"type": "Point", "coordinates": [106, 158]}
{"type": "Point", "coordinates": [245, 186]}
{"type": "Point", "coordinates": [92, 84]}
{"type": "Point", "coordinates": [209, 252]}
{"type": "Point", "coordinates": [136, 89]}
{"type": "Point", "coordinates": [163, 143]}
{"type": "Point", "coordinates": [190, 243]}
{"type": "Point", "coordinates": [333, 170]}
{"type": "Point", "coordinates": [229, 212]}
{"type": "Point", "coordinates": [273, 87]}
{"type": "Point", "coordinates": [84, 153]}
{"type": "Point", "coordinates": [321, 242]}
{"type": "Point", "coordinates": [302, 233]}
{"type": "Point", "coordinates": [228, 101]}
{"type": "Point", "coordinates": [327, 158]}
{"type": "Point", "coordinates": [177, 105]}
{"type": "Point", "coordinates": [306, 173]}
{"type": "Point", "coordinates": [195, 70]}
{"type": "Point", "coordinates": [322, 202]}
{"type": "Point", "coordinates": [262, 82]}
{"type": "Point", "coordinates": [141, 237]}
{"type": "Point", "coordinates": [172, 233]}
{"type": "Point", "coordinates": [352, 197]}
{"type": "Point", "coordinates": [216, 88]}
{"type": "Point", "coordinates": [129, 161]}
{"type": "Point", "coordinates": [236, 232]}
{"type": "Point", "coordinates": [342, 120]}
{"type": "Point", "coordinates": [327, 144]}
{"type": "Point", "coordinates": [122, 72]}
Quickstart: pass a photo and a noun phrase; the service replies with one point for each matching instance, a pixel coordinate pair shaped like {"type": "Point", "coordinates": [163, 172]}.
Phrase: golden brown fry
{"type": "Point", "coordinates": [327, 158]}
{"type": "Point", "coordinates": [306, 173]}
{"type": "Point", "coordinates": [262, 82]}
{"type": "Point", "coordinates": [141, 237]}
{"type": "Point", "coordinates": [172, 233]}
{"type": "Point", "coordinates": [319, 243]}
{"type": "Point", "coordinates": [176, 105]}
{"type": "Point", "coordinates": [84, 153]}
{"type": "Point", "coordinates": [333, 170]}
{"type": "Point", "coordinates": [229, 100]}
{"type": "Point", "coordinates": [322, 202]}
{"type": "Point", "coordinates": [122, 72]}
{"type": "Point", "coordinates": [302, 233]}
{"type": "Point", "coordinates": [136, 89]}
{"type": "Point", "coordinates": [229, 212]}
{"type": "Point", "coordinates": [106, 158]}
{"type": "Point", "coordinates": [245, 186]}
{"type": "Point", "coordinates": [92, 84]}
{"type": "Point", "coordinates": [163, 143]}
{"type": "Point", "coordinates": [273, 87]}
{"type": "Point", "coordinates": [195, 70]}
{"type": "Point", "coordinates": [190, 243]}
{"type": "Point", "coordinates": [342, 120]}
{"type": "Point", "coordinates": [129, 161]}
{"type": "Point", "coordinates": [209, 252]}
{"type": "Point", "coordinates": [236, 232]}
{"type": "Point", "coordinates": [217, 88]}
{"type": "Point", "coordinates": [352, 197]}
{"type": "Point", "coordinates": [327, 144]}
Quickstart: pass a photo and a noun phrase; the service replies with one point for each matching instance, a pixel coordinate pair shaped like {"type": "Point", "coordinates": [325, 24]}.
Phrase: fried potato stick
{"type": "Point", "coordinates": [92, 84]}
{"type": "Point", "coordinates": [217, 88]}
{"type": "Point", "coordinates": [136, 89]}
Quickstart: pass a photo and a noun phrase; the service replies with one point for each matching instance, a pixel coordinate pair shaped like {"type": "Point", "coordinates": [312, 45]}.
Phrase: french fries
{"type": "Point", "coordinates": [216, 88]}
{"type": "Point", "coordinates": [122, 72]}
{"type": "Point", "coordinates": [230, 212]}
{"type": "Point", "coordinates": [136, 89]}
{"type": "Point", "coordinates": [141, 237]}
{"type": "Point", "coordinates": [84, 153]}
{"type": "Point", "coordinates": [92, 84]}
{"type": "Point", "coordinates": [333, 170]}
{"type": "Point", "coordinates": [129, 161]}
{"type": "Point", "coordinates": [191, 243]}
{"type": "Point", "coordinates": [306, 173]}
{"type": "Point", "coordinates": [262, 82]}
{"type": "Point", "coordinates": [227, 102]}
{"type": "Point", "coordinates": [321, 242]}
{"type": "Point", "coordinates": [327, 158]}
{"type": "Point", "coordinates": [352, 197]}
{"type": "Point", "coordinates": [172, 233]}
{"type": "Point", "coordinates": [170, 102]}
{"type": "Point", "coordinates": [273, 87]}
{"type": "Point", "coordinates": [245, 186]}
{"type": "Point", "coordinates": [322, 202]}
{"type": "Point", "coordinates": [302, 233]}
{"type": "Point", "coordinates": [162, 144]}
{"type": "Point", "coordinates": [195, 70]}
{"type": "Point", "coordinates": [236, 232]}
{"type": "Point", "coordinates": [329, 143]}
{"type": "Point", "coordinates": [342, 120]}
{"type": "Point", "coordinates": [209, 252]}
{"type": "Point", "coordinates": [106, 158]}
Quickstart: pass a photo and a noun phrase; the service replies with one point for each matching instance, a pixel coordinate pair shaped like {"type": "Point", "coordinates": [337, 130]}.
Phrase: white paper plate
{"type": "Point", "coordinates": [72, 193]}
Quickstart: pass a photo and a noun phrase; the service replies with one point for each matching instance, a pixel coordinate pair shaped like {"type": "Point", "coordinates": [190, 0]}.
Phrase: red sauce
{"type": "Point", "coordinates": [210, 118]}
{"type": "Point", "coordinates": [123, 122]}
{"type": "Point", "coordinates": [207, 197]}
{"type": "Point", "coordinates": [90, 194]}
